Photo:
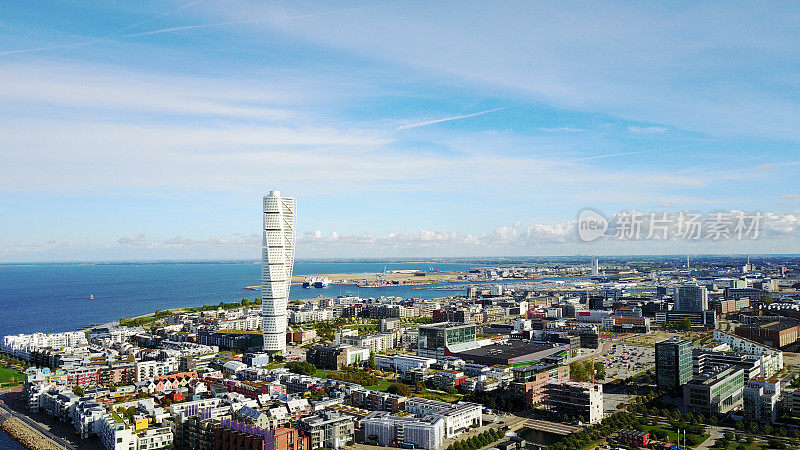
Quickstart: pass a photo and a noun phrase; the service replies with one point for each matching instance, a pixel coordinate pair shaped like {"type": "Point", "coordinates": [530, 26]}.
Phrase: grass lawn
{"type": "Point", "coordinates": [440, 396]}
{"type": "Point", "coordinates": [7, 374]}
{"type": "Point", "coordinates": [382, 386]}
{"type": "Point", "coordinates": [735, 446]}
{"type": "Point", "coordinates": [673, 435]}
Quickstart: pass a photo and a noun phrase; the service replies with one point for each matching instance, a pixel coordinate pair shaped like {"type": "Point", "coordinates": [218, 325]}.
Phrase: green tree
{"type": "Point", "coordinates": [399, 389]}
{"type": "Point", "coordinates": [599, 371]}
{"type": "Point", "coordinates": [301, 367]}
{"type": "Point", "coordinates": [577, 371]}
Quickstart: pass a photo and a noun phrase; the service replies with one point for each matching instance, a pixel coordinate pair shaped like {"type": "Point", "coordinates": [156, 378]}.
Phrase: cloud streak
{"type": "Point", "coordinates": [190, 27]}
{"type": "Point", "coordinates": [448, 119]}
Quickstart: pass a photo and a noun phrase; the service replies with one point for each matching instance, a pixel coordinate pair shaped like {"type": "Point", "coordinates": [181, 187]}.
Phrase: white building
{"type": "Point", "coordinates": [114, 435]}
{"type": "Point", "coordinates": [277, 266]}
{"type": "Point", "coordinates": [385, 430]}
{"type": "Point", "coordinates": [147, 370]}
{"type": "Point", "coordinates": [457, 417]}
{"type": "Point", "coordinates": [341, 333]}
{"type": "Point", "coordinates": [355, 355]}
{"type": "Point", "coordinates": [374, 342]}
{"type": "Point", "coordinates": [22, 345]}
{"type": "Point", "coordinates": [154, 438]}
{"type": "Point", "coordinates": [760, 400]}
{"type": "Point", "coordinates": [86, 417]}
{"type": "Point", "coordinates": [314, 315]}
{"type": "Point", "coordinates": [403, 363]}
{"type": "Point", "coordinates": [772, 361]}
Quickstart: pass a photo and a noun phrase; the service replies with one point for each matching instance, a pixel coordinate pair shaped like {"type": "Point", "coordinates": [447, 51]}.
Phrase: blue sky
{"type": "Point", "coordinates": [150, 130]}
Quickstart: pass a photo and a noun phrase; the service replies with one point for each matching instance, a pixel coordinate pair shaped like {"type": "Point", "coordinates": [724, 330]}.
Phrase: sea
{"type": "Point", "coordinates": [8, 443]}
{"type": "Point", "coordinates": [54, 297]}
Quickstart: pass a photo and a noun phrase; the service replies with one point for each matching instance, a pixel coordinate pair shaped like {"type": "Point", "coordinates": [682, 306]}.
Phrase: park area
{"type": "Point", "coordinates": [10, 377]}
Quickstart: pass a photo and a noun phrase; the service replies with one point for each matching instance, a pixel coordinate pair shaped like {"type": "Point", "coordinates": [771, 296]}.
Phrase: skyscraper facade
{"type": "Point", "coordinates": [691, 297]}
{"type": "Point", "coordinates": [673, 363]}
{"type": "Point", "coordinates": [276, 268]}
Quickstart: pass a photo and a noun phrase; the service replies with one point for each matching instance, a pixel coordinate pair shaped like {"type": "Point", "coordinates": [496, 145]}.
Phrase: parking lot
{"type": "Point", "coordinates": [624, 360]}
{"type": "Point", "coordinates": [295, 353]}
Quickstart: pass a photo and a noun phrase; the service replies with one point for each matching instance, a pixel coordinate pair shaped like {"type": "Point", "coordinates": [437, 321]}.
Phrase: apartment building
{"type": "Point", "coordinates": [761, 398]}
{"type": "Point", "coordinates": [392, 431]}
{"type": "Point", "coordinates": [378, 401]}
{"type": "Point", "coordinates": [457, 417]}
{"type": "Point", "coordinates": [335, 357]}
{"type": "Point", "coordinates": [575, 398]}
{"type": "Point", "coordinates": [376, 343]}
{"type": "Point", "coordinates": [773, 358]}
{"type": "Point", "coordinates": [328, 429]}
{"type": "Point", "coordinates": [146, 370]}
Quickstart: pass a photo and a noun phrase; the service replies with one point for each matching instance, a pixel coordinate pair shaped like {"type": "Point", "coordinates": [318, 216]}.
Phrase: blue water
{"type": "Point", "coordinates": [55, 297]}
{"type": "Point", "coordinates": [8, 443]}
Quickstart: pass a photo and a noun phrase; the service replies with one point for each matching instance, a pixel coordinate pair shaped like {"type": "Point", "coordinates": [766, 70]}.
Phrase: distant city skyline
{"type": "Point", "coordinates": [149, 131]}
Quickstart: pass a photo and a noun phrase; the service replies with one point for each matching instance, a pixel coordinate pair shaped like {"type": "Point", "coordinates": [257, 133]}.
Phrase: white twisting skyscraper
{"type": "Point", "coordinates": [276, 268]}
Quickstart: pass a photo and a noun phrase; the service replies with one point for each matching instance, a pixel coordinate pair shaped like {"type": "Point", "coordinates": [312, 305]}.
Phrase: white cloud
{"type": "Point", "coordinates": [647, 130]}
{"type": "Point", "coordinates": [564, 129]}
{"type": "Point", "coordinates": [570, 56]}
{"type": "Point", "coordinates": [130, 239]}
{"type": "Point", "coordinates": [95, 87]}
{"type": "Point", "coordinates": [519, 238]}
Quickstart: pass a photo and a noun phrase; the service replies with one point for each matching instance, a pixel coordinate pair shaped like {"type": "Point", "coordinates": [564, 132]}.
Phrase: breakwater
{"type": "Point", "coordinates": [26, 436]}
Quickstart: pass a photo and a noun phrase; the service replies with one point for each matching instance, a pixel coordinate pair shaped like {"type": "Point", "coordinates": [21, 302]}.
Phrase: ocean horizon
{"type": "Point", "coordinates": [55, 297]}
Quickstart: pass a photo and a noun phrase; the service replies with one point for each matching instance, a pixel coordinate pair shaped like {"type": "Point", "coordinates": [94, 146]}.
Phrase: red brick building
{"type": "Point", "coordinates": [634, 438]}
{"type": "Point", "coordinates": [232, 435]}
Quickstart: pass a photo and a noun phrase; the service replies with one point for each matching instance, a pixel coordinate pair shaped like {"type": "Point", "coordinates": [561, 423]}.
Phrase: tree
{"type": "Point", "coordinates": [419, 388]}
{"type": "Point", "coordinates": [599, 371]}
{"type": "Point", "coordinates": [399, 389]}
{"type": "Point", "coordinates": [686, 324]}
{"type": "Point", "coordinates": [301, 367]}
{"type": "Point", "coordinates": [766, 299]}
{"type": "Point", "coordinates": [577, 371]}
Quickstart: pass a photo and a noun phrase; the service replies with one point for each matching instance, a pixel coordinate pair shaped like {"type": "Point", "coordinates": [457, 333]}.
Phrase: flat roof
{"type": "Point", "coordinates": [509, 350]}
